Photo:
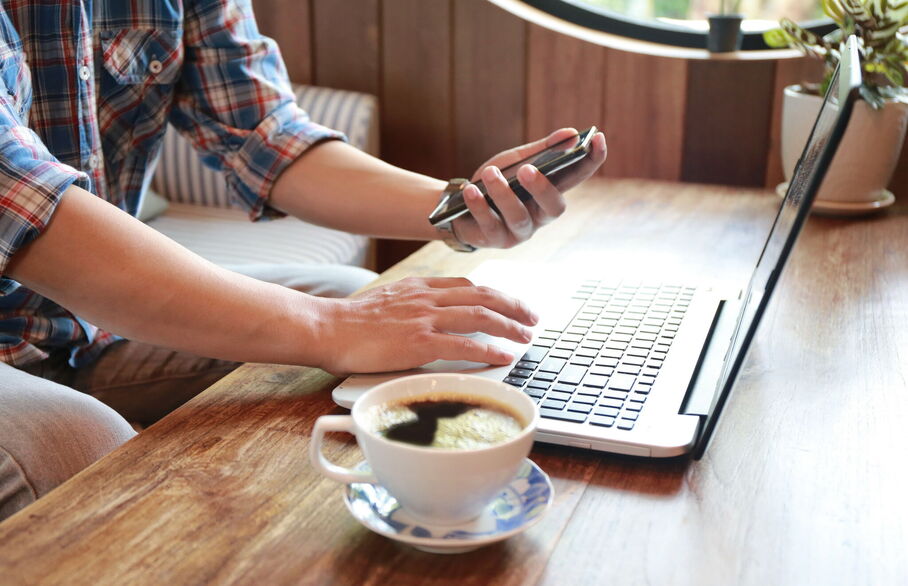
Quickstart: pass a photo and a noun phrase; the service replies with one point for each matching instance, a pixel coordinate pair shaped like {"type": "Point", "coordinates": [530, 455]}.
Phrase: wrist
{"type": "Point", "coordinates": [305, 326]}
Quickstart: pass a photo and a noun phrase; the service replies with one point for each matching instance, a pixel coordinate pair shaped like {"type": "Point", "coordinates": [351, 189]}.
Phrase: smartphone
{"type": "Point", "coordinates": [554, 162]}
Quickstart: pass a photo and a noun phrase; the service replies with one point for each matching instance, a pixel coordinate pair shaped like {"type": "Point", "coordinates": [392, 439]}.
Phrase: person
{"type": "Point", "coordinates": [95, 306]}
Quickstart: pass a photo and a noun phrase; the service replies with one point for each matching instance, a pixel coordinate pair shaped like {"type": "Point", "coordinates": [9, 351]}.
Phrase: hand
{"type": "Point", "coordinates": [412, 322]}
{"type": "Point", "coordinates": [518, 220]}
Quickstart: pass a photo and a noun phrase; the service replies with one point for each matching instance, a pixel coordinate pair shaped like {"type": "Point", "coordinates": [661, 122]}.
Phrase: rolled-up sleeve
{"type": "Point", "coordinates": [31, 182]}
{"type": "Point", "coordinates": [235, 104]}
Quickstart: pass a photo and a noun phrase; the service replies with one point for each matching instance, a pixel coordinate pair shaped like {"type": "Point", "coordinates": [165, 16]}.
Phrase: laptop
{"type": "Point", "coordinates": [644, 366]}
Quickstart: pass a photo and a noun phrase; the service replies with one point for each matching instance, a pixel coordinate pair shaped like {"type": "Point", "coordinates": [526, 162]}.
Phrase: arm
{"type": "Point", "coordinates": [336, 185]}
{"type": "Point", "coordinates": [145, 286]}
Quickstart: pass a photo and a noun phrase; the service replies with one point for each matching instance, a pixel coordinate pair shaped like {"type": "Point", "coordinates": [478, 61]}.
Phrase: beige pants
{"type": "Point", "coordinates": [55, 420]}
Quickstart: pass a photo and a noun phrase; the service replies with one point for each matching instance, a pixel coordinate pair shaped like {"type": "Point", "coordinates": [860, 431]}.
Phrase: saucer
{"type": "Point", "coordinates": [517, 508]}
{"type": "Point", "coordinates": [885, 198]}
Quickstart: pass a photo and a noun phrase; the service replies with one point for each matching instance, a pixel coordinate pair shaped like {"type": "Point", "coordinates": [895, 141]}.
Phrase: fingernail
{"type": "Point", "coordinates": [527, 334]}
{"type": "Point", "coordinates": [498, 173]}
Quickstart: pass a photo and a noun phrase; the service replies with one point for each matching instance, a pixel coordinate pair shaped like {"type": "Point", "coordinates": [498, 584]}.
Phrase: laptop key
{"type": "Point", "coordinates": [608, 411]}
{"type": "Point", "coordinates": [552, 365]}
{"type": "Point", "coordinates": [558, 396]}
{"type": "Point", "coordinates": [613, 394]}
{"type": "Point", "coordinates": [564, 388]}
{"type": "Point", "coordinates": [538, 384]}
{"type": "Point", "coordinates": [552, 405]}
{"type": "Point", "coordinates": [602, 421]}
{"type": "Point", "coordinates": [625, 368]}
{"type": "Point", "coordinates": [534, 354]}
{"type": "Point", "coordinates": [580, 408]}
{"type": "Point", "coordinates": [621, 382]}
{"type": "Point", "coordinates": [535, 393]}
{"type": "Point", "coordinates": [611, 403]}
{"type": "Point", "coordinates": [585, 399]}
{"type": "Point", "coordinates": [544, 376]}
{"type": "Point", "coordinates": [514, 381]}
{"type": "Point", "coordinates": [630, 415]}
{"type": "Point", "coordinates": [582, 361]}
{"type": "Point", "coordinates": [563, 354]}
{"type": "Point", "coordinates": [595, 380]}
{"type": "Point", "coordinates": [521, 373]}
{"type": "Point", "coordinates": [586, 352]}
{"type": "Point", "coordinates": [572, 416]}
{"type": "Point", "coordinates": [602, 370]}
{"type": "Point", "coordinates": [572, 374]}
{"type": "Point", "coordinates": [608, 362]}
{"type": "Point", "coordinates": [626, 425]}
{"type": "Point", "coordinates": [527, 365]}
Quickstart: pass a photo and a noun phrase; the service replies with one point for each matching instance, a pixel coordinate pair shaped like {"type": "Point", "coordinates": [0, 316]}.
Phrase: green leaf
{"type": "Point", "coordinates": [777, 38]}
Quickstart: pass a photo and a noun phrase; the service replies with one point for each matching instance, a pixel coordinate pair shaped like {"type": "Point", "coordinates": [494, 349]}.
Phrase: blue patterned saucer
{"type": "Point", "coordinates": [517, 508]}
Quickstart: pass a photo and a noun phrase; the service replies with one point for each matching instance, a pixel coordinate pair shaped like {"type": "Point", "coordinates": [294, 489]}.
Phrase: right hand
{"type": "Point", "coordinates": [414, 321]}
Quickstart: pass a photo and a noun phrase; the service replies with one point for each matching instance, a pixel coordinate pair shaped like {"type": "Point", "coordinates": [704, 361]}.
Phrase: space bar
{"type": "Point", "coordinates": [559, 315]}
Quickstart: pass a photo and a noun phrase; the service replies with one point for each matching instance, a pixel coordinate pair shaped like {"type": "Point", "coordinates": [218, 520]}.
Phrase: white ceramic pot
{"type": "Point", "coordinates": [867, 156]}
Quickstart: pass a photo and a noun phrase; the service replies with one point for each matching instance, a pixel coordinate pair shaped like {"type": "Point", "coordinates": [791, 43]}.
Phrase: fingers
{"type": "Point", "coordinates": [476, 318]}
{"type": "Point", "coordinates": [488, 298]}
{"type": "Point", "coordinates": [451, 347]}
{"type": "Point", "coordinates": [549, 199]}
{"type": "Point", "coordinates": [513, 212]}
{"type": "Point", "coordinates": [484, 226]}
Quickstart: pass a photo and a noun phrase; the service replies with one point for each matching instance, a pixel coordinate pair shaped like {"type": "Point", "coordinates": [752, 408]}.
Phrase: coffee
{"type": "Point", "coordinates": [446, 422]}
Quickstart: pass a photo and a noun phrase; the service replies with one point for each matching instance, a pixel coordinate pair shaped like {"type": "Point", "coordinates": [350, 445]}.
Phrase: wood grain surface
{"type": "Point", "coordinates": [803, 483]}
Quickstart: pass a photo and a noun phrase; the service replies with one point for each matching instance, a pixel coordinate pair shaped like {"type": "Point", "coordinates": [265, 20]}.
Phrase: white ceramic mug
{"type": "Point", "coordinates": [437, 486]}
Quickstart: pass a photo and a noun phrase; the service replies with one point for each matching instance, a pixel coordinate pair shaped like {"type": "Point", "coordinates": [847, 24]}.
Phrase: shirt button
{"type": "Point", "coordinates": [85, 73]}
{"type": "Point", "coordinates": [94, 161]}
{"type": "Point", "coordinates": [155, 66]}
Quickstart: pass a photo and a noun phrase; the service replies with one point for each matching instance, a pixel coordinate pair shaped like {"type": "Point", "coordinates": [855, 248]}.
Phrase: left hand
{"type": "Point", "coordinates": [518, 221]}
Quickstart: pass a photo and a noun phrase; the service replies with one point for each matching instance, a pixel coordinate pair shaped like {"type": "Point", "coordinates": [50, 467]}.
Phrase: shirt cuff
{"type": "Point", "coordinates": [31, 184]}
{"type": "Point", "coordinates": [284, 135]}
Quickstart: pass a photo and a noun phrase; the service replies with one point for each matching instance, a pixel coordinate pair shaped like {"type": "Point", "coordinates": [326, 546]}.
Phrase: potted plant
{"type": "Point", "coordinates": [867, 157]}
{"type": "Point", "coordinates": [725, 28]}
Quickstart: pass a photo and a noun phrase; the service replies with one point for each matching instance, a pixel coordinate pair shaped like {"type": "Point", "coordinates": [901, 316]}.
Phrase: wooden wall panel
{"type": "Point", "coordinates": [346, 54]}
{"type": "Point", "coordinates": [726, 127]}
{"type": "Point", "coordinates": [417, 131]}
{"type": "Point", "coordinates": [645, 101]}
{"type": "Point", "coordinates": [489, 82]}
{"type": "Point", "coordinates": [289, 23]}
{"type": "Point", "coordinates": [417, 101]}
{"type": "Point", "coordinates": [565, 81]}
{"type": "Point", "coordinates": [788, 72]}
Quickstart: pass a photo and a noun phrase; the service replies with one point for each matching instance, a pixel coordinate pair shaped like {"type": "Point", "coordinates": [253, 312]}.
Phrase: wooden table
{"type": "Point", "coordinates": [803, 483]}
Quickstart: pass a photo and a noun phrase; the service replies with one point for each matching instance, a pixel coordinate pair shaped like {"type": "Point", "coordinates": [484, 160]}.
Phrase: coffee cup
{"type": "Point", "coordinates": [435, 485]}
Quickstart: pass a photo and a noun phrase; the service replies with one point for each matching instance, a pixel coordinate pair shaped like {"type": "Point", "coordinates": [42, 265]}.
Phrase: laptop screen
{"type": "Point", "coordinates": [805, 182]}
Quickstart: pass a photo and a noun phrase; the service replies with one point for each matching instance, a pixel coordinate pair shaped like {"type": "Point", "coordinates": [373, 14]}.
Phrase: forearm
{"type": "Point", "coordinates": [336, 185]}
{"type": "Point", "coordinates": [114, 271]}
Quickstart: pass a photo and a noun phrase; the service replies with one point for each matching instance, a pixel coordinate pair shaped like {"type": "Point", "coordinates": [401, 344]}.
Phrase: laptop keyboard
{"type": "Point", "coordinates": [599, 368]}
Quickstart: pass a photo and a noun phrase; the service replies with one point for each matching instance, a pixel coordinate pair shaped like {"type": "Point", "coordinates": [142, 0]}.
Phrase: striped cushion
{"type": "Point", "coordinates": [202, 218]}
{"type": "Point", "coordinates": [182, 178]}
{"type": "Point", "coordinates": [227, 238]}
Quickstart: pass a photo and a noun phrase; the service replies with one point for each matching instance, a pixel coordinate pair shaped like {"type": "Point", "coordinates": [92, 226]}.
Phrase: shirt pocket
{"type": "Point", "coordinates": [139, 56]}
{"type": "Point", "coordinates": [140, 69]}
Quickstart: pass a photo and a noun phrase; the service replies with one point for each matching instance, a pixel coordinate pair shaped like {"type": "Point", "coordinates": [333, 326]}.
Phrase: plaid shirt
{"type": "Point", "coordinates": [87, 88]}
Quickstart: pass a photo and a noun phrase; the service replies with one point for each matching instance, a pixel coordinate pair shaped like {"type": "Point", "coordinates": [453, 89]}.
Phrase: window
{"type": "Point", "coordinates": [683, 22]}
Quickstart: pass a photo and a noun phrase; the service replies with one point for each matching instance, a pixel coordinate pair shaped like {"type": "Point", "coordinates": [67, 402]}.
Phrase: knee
{"type": "Point", "coordinates": [47, 435]}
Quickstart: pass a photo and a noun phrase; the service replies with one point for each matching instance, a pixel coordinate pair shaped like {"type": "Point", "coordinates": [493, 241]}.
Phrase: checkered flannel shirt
{"type": "Point", "coordinates": [86, 91]}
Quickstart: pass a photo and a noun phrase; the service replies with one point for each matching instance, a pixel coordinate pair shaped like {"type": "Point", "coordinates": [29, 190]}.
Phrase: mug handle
{"type": "Point", "coordinates": [346, 475]}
